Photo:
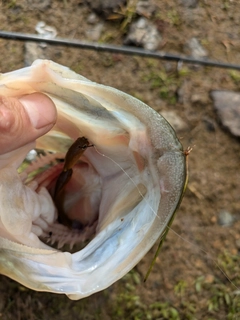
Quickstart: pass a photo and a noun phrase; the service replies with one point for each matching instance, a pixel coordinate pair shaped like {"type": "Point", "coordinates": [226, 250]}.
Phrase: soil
{"type": "Point", "coordinates": [197, 273]}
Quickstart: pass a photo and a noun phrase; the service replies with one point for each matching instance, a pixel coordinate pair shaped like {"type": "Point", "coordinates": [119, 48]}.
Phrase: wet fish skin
{"type": "Point", "coordinates": [138, 172]}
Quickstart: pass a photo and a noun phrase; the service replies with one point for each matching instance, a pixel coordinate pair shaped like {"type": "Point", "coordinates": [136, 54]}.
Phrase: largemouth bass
{"type": "Point", "coordinates": [122, 194]}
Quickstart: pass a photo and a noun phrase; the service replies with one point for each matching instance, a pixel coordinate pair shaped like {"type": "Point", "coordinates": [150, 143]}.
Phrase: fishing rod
{"type": "Point", "coordinates": [128, 50]}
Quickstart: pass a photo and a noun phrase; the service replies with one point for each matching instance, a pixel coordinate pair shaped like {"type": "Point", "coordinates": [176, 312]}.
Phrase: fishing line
{"type": "Point", "coordinates": [168, 227]}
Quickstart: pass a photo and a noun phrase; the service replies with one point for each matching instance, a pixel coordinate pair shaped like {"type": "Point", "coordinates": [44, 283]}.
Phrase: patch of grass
{"type": "Point", "coordinates": [108, 36]}
{"type": "Point", "coordinates": [215, 296]}
{"type": "Point", "coordinates": [235, 76]}
{"type": "Point", "coordinates": [180, 287]}
{"type": "Point", "coordinates": [165, 81]}
{"type": "Point", "coordinates": [174, 17]}
{"type": "Point", "coordinates": [221, 293]}
{"type": "Point", "coordinates": [163, 310]}
{"type": "Point", "coordinates": [10, 4]}
{"type": "Point", "coordinates": [166, 84]}
{"type": "Point", "coordinates": [226, 4]}
{"type": "Point", "coordinates": [171, 17]}
{"type": "Point", "coordinates": [129, 13]}
{"type": "Point", "coordinates": [229, 262]}
{"type": "Point", "coordinates": [126, 14]}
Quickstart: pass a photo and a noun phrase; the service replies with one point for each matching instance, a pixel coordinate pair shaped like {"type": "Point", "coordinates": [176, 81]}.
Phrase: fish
{"type": "Point", "coordinates": [121, 198]}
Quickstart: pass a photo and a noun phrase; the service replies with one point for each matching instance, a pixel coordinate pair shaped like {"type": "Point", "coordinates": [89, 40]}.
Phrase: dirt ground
{"type": "Point", "coordinates": [197, 273]}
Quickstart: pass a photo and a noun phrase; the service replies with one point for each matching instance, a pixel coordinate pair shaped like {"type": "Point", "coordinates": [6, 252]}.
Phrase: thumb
{"type": "Point", "coordinates": [23, 120]}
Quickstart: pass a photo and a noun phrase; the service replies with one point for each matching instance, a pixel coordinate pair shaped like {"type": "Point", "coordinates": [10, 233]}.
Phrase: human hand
{"type": "Point", "coordinates": [23, 120]}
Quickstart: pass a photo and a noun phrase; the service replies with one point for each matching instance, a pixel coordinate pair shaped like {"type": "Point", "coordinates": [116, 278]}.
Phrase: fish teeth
{"type": "Point", "coordinates": [60, 234]}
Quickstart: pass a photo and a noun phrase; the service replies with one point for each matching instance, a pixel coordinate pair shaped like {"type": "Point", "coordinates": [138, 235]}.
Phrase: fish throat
{"type": "Point", "coordinates": [75, 188]}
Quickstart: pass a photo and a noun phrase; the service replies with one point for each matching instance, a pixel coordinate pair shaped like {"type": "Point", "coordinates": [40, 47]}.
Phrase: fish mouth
{"type": "Point", "coordinates": [94, 197]}
{"type": "Point", "coordinates": [127, 187]}
{"type": "Point", "coordinates": [80, 199]}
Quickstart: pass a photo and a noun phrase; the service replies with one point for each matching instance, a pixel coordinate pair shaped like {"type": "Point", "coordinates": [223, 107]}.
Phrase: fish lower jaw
{"type": "Point", "coordinates": [60, 235]}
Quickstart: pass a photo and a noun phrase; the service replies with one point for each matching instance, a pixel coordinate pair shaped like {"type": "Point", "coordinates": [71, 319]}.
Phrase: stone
{"type": "Point", "coordinates": [189, 3]}
{"type": "Point", "coordinates": [144, 34]}
{"type": "Point", "coordinates": [105, 7]}
{"type": "Point", "coordinates": [32, 52]}
{"type": "Point", "coordinates": [225, 218]}
{"type": "Point", "coordinates": [36, 50]}
{"type": "Point", "coordinates": [195, 49]}
{"type": "Point", "coordinates": [31, 156]}
{"type": "Point", "coordinates": [46, 31]}
{"type": "Point", "coordinates": [39, 5]}
{"type": "Point", "coordinates": [145, 8]}
{"type": "Point", "coordinates": [227, 105]}
{"type": "Point", "coordinates": [92, 18]}
{"type": "Point", "coordinates": [94, 33]}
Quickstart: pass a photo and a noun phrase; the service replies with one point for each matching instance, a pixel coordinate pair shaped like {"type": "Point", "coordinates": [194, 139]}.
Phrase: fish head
{"type": "Point", "coordinates": [123, 192]}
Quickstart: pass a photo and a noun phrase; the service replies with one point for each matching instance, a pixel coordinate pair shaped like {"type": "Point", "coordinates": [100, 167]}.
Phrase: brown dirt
{"type": "Point", "coordinates": [185, 282]}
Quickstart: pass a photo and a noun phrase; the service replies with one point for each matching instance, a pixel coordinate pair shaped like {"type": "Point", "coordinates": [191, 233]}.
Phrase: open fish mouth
{"type": "Point", "coordinates": [122, 195]}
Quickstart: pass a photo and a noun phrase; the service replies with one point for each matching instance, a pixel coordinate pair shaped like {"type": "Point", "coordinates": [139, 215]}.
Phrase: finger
{"type": "Point", "coordinates": [25, 119]}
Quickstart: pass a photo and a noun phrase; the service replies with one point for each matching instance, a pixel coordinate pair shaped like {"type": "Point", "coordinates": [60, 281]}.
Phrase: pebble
{"type": "Point", "coordinates": [46, 31]}
{"type": "Point", "coordinates": [200, 98]}
{"type": "Point", "coordinates": [92, 18]}
{"type": "Point", "coordinates": [105, 7]}
{"type": "Point", "coordinates": [175, 120]}
{"type": "Point", "coordinates": [33, 51]}
{"type": "Point", "coordinates": [189, 3]}
{"type": "Point", "coordinates": [225, 218]}
{"type": "Point", "coordinates": [95, 32]}
{"type": "Point", "coordinates": [227, 105]}
{"type": "Point", "coordinates": [39, 5]}
{"type": "Point", "coordinates": [145, 8]}
{"type": "Point", "coordinates": [32, 155]}
{"type": "Point", "coordinates": [144, 34]}
{"type": "Point", "coordinates": [195, 49]}
{"type": "Point", "coordinates": [36, 50]}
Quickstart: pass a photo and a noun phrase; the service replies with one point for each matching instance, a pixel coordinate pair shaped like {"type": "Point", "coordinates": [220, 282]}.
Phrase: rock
{"type": "Point", "coordinates": [199, 98]}
{"type": "Point", "coordinates": [175, 121]}
{"type": "Point", "coordinates": [92, 18]}
{"type": "Point", "coordinates": [143, 33]}
{"type": "Point", "coordinates": [105, 7]}
{"type": "Point", "coordinates": [31, 156]}
{"type": "Point", "coordinates": [34, 50]}
{"type": "Point", "coordinates": [189, 3]}
{"type": "Point", "coordinates": [95, 32]}
{"type": "Point", "coordinates": [39, 5]}
{"type": "Point", "coordinates": [45, 31]}
{"type": "Point", "coordinates": [145, 8]}
{"type": "Point", "coordinates": [227, 105]}
{"type": "Point", "coordinates": [225, 218]}
{"type": "Point", "coordinates": [195, 49]}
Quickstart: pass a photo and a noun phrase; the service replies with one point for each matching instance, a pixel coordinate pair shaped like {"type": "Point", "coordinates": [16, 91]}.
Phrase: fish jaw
{"type": "Point", "coordinates": [138, 160]}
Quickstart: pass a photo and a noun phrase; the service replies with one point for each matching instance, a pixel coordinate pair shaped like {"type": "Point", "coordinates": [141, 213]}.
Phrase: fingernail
{"type": "Point", "coordinates": [39, 108]}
